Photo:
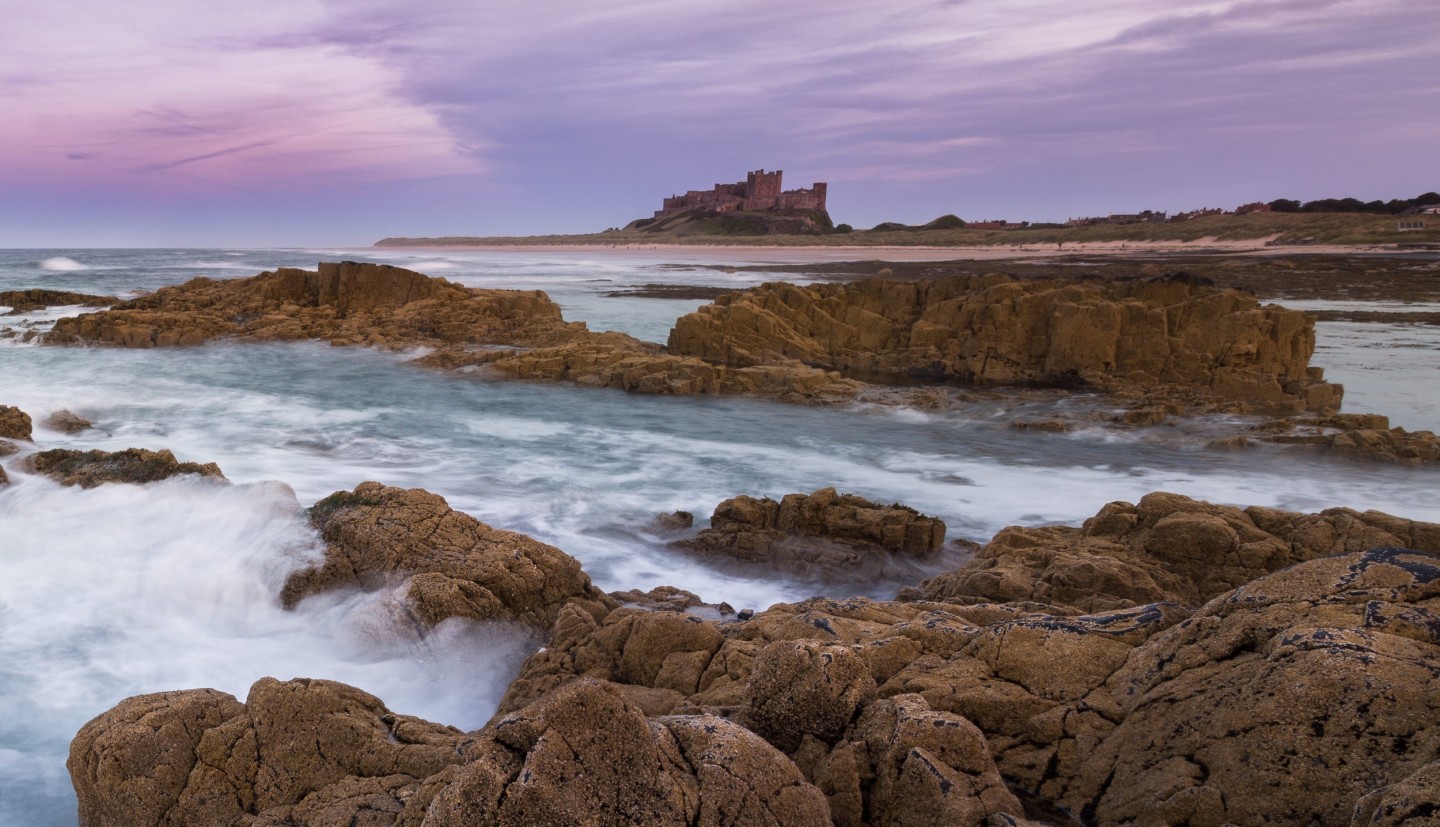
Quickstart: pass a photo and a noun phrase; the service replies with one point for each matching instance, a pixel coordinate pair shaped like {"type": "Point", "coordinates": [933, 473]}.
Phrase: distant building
{"type": "Point", "coordinates": [1247, 209]}
{"type": "Point", "coordinates": [1431, 210]}
{"type": "Point", "coordinates": [1146, 217]}
{"type": "Point", "coordinates": [1200, 213]}
{"type": "Point", "coordinates": [1409, 226]}
{"type": "Point", "coordinates": [759, 191]}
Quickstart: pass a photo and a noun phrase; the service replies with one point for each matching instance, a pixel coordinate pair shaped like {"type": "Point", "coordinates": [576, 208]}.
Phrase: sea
{"type": "Point", "coordinates": [123, 589]}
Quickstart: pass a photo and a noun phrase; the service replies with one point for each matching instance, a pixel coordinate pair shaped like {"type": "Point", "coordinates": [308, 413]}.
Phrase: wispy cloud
{"type": "Point", "coordinates": [580, 112]}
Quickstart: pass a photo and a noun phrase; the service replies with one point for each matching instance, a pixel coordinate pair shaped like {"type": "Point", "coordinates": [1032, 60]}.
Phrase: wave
{"type": "Point", "coordinates": [61, 264]}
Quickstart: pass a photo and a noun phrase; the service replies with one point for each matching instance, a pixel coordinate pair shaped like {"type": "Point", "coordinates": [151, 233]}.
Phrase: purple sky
{"type": "Point", "coordinates": [305, 122]}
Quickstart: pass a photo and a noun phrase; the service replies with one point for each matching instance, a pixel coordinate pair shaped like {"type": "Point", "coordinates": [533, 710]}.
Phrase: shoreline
{"type": "Point", "coordinates": [1254, 247]}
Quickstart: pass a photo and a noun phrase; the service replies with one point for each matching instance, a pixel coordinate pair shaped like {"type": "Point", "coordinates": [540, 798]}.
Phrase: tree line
{"type": "Point", "coordinates": [1394, 206]}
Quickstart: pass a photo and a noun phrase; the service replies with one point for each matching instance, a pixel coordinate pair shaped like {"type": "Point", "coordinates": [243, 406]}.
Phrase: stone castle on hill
{"type": "Point", "coordinates": [759, 191]}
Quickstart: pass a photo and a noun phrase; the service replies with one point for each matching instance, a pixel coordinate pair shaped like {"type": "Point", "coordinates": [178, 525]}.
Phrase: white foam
{"type": "Point", "coordinates": [61, 264]}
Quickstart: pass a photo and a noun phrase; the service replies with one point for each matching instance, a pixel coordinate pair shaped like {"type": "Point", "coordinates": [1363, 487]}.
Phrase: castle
{"type": "Point", "coordinates": [759, 191]}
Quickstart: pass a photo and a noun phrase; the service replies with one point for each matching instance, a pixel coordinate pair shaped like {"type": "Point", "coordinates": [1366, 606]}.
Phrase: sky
{"type": "Point", "coordinates": [339, 122]}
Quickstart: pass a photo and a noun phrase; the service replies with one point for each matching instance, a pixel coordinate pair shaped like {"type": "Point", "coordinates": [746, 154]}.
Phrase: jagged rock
{"type": "Point", "coordinates": [345, 303]}
{"type": "Point", "coordinates": [996, 329]}
{"type": "Point", "coordinates": [616, 360]}
{"type": "Point", "coordinates": [1414, 801]}
{"type": "Point", "coordinates": [14, 423]}
{"type": "Point", "coordinates": [7, 448]}
{"type": "Point", "coordinates": [321, 753]}
{"type": "Point", "coordinates": [88, 469]}
{"type": "Point", "coordinates": [450, 564]}
{"type": "Point", "coordinates": [24, 301]}
{"type": "Point", "coordinates": [823, 529]}
{"type": "Point", "coordinates": [1287, 700]}
{"type": "Point", "coordinates": [661, 598]}
{"type": "Point", "coordinates": [67, 422]}
{"type": "Point", "coordinates": [303, 751]}
{"type": "Point", "coordinates": [800, 688]}
{"type": "Point", "coordinates": [1166, 548]}
{"type": "Point", "coordinates": [1358, 436]}
{"type": "Point", "coordinates": [904, 764]}
{"type": "Point", "coordinates": [4, 478]}
{"type": "Point", "coordinates": [674, 521]}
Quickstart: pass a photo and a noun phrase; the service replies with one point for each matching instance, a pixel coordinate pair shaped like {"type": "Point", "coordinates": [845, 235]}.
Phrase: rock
{"type": "Point", "coordinates": [449, 564]}
{"type": "Point", "coordinates": [662, 599]}
{"type": "Point", "coordinates": [589, 753]}
{"type": "Point", "coordinates": [1167, 548]}
{"type": "Point", "coordinates": [1411, 802]}
{"type": "Point", "coordinates": [1356, 436]}
{"type": "Point", "coordinates": [14, 423]}
{"type": "Point", "coordinates": [8, 448]}
{"type": "Point", "coordinates": [995, 329]}
{"type": "Point", "coordinates": [616, 360]}
{"type": "Point", "coordinates": [674, 521]}
{"type": "Point", "coordinates": [4, 478]}
{"type": "Point", "coordinates": [800, 688]}
{"type": "Point", "coordinates": [24, 301]}
{"type": "Point", "coordinates": [1287, 700]}
{"type": "Point", "coordinates": [302, 751]}
{"type": "Point", "coordinates": [345, 303]}
{"type": "Point", "coordinates": [823, 529]}
{"type": "Point", "coordinates": [322, 753]}
{"type": "Point", "coordinates": [88, 469]}
{"type": "Point", "coordinates": [67, 422]}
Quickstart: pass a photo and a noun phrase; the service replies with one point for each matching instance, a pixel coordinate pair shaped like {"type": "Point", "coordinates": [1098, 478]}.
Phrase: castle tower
{"type": "Point", "coordinates": [762, 184]}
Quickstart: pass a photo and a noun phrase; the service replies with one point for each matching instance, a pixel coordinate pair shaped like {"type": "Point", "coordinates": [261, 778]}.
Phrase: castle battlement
{"type": "Point", "coordinates": [760, 190]}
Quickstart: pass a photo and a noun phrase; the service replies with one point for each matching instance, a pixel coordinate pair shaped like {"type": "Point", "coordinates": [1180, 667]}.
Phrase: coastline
{"type": "Point", "coordinates": [850, 252]}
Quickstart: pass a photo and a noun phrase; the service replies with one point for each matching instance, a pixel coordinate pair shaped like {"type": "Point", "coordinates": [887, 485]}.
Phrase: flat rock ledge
{"type": "Point", "coordinates": [1169, 662]}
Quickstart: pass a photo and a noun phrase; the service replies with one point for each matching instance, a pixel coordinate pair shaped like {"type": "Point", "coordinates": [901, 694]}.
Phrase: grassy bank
{"type": "Point", "coordinates": [1281, 228]}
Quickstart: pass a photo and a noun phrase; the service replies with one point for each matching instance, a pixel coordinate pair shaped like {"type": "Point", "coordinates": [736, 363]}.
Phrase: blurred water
{"type": "Point", "coordinates": [125, 589]}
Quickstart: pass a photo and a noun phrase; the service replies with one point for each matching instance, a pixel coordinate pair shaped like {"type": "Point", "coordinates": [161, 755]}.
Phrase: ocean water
{"type": "Point", "coordinates": [125, 589]}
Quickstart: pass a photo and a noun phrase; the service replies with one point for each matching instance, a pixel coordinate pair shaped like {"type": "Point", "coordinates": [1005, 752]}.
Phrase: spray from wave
{"type": "Point", "coordinates": [61, 264]}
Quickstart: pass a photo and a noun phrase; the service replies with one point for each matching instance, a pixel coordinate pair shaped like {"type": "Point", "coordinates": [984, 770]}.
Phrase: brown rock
{"type": "Point", "coordinates": [14, 423]}
{"type": "Point", "coordinates": [1167, 548]}
{"type": "Point", "coordinates": [450, 564]}
{"type": "Point", "coordinates": [995, 329]}
{"type": "Point", "coordinates": [67, 422]}
{"type": "Point", "coordinates": [587, 755]}
{"type": "Point", "coordinates": [24, 301]}
{"type": "Point", "coordinates": [823, 529]}
{"type": "Point", "coordinates": [131, 764]}
{"type": "Point", "coordinates": [615, 360]}
{"type": "Point", "coordinates": [929, 767]}
{"type": "Point", "coordinates": [344, 303]}
{"type": "Point", "coordinates": [800, 688]}
{"type": "Point", "coordinates": [88, 469]}
{"type": "Point", "coordinates": [1288, 700]}
{"type": "Point", "coordinates": [303, 751]}
{"type": "Point", "coordinates": [1413, 801]}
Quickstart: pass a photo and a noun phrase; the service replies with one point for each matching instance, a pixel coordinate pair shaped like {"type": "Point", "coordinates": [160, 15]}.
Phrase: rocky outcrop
{"type": "Point", "coordinates": [446, 563]}
{"type": "Point", "coordinates": [88, 469]}
{"type": "Point", "coordinates": [345, 303]}
{"type": "Point", "coordinates": [67, 422]}
{"type": "Point", "coordinates": [996, 329]}
{"type": "Point", "coordinates": [25, 301]}
{"type": "Point", "coordinates": [1357, 436]}
{"type": "Point", "coordinates": [1288, 700]}
{"type": "Point", "coordinates": [14, 423]}
{"type": "Point", "coordinates": [616, 360]}
{"type": "Point", "coordinates": [1303, 696]}
{"type": "Point", "coordinates": [321, 753]}
{"type": "Point", "coordinates": [823, 529]}
{"type": "Point", "coordinates": [1165, 548]}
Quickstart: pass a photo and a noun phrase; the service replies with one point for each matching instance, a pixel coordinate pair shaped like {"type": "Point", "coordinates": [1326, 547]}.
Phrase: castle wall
{"type": "Point", "coordinates": [759, 191]}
